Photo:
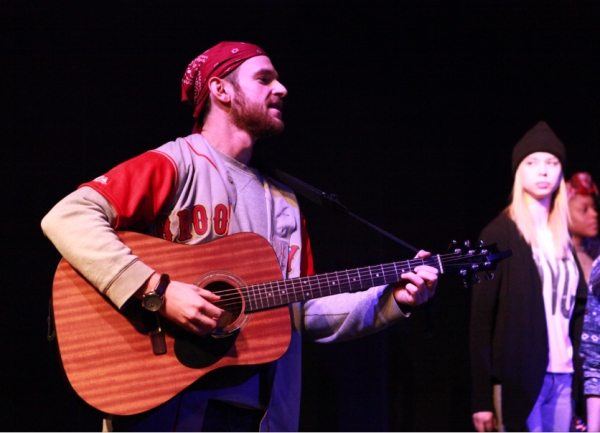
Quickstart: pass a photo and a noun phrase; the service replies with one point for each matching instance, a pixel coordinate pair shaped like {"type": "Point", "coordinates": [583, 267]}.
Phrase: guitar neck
{"type": "Point", "coordinates": [277, 293]}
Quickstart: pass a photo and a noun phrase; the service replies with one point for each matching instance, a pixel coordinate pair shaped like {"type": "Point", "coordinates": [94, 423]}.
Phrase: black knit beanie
{"type": "Point", "coordinates": [540, 138]}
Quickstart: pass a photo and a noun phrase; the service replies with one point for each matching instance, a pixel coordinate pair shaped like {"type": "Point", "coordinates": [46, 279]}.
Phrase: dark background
{"type": "Point", "coordinates": [407, 110]}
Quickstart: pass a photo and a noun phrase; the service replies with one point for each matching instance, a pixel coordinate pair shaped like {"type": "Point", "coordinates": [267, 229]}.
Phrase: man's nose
{"type": "Point", "coordinates": [279, 89]}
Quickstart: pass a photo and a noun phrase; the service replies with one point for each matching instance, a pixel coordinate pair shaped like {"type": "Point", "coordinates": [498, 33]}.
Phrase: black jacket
{"type": "Point", "coordinates": [508, 335]}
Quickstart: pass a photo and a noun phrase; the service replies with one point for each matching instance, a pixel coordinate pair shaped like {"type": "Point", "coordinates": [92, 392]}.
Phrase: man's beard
{"type": "Point", "coordinates": [253, 118]}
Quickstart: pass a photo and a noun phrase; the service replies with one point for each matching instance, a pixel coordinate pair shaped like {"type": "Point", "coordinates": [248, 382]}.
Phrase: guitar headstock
{"type": "Point", "coordinates": [466, 260]}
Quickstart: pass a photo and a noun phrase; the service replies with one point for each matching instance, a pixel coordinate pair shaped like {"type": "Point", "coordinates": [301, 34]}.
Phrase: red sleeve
{"type": "Point", "coordinates": [307, 263]}
{"type": "Point", "coordinates": [138, 188]}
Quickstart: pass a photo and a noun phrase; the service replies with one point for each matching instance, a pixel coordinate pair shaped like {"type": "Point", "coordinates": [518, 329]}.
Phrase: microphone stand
{"type": "Point", "coordinates": [331, 202]}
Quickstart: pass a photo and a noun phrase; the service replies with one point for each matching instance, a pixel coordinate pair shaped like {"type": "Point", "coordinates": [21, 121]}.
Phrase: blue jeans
{"type": "Point", "coordinates": [553, 410]}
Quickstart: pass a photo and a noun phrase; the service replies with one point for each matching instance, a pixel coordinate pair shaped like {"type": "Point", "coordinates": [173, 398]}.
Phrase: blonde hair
{"type": "Point", "coordinates": [558, 217]}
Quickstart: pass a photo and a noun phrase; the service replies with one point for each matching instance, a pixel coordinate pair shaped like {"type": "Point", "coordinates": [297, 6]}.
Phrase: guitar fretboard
{"type": "Point", "coordinates": [278, 293]}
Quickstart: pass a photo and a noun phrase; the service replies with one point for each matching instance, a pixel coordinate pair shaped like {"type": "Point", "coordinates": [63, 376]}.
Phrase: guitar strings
{"type": "Point", "coordinates": [360, 273]}
{"type": "Point", "coordinates": [281, 292]}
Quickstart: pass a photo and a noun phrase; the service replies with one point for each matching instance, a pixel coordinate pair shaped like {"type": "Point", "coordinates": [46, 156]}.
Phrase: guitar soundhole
{"type": "Point", "coordinates": [226, 285]}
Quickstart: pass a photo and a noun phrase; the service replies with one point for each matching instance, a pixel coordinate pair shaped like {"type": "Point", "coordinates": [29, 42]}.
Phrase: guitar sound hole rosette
{"type": "Point", "coordinates": [227, 285]}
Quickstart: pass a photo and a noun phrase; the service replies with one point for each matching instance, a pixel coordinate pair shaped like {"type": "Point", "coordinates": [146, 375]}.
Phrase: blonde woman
{"type": "Point", "coordinates": [526, 322]}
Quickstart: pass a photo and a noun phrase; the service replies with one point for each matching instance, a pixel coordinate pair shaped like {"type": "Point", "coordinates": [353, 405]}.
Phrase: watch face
{"type": "Point", "coordinates": [152, 302]}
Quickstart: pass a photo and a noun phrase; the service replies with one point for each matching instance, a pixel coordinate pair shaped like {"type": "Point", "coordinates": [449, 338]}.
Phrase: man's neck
{"type": "Point", "coordinates": [229, 140]}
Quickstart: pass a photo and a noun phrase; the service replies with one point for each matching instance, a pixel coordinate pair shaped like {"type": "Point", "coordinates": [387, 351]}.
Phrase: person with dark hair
{"type": "Point", "coordinates": [583, 193]}
{"type": "Point", "coordinates": [590, 349]}
{"type": "Point", "coordinates": [583, 224]}
{"type": "Point", "coordinates": [201, 188]}
{"type": "Point", "coordinates": [526, 322]}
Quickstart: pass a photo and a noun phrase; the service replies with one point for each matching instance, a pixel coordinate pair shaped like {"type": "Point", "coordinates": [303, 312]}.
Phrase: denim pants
{"type": "Point", "coordinates": [553, 410]}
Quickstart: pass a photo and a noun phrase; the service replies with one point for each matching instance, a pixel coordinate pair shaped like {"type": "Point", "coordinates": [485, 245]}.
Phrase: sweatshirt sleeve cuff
{"type": "Point", "coordinates": [128, 282]}
{"type": "Point", "coordinates": [390, 309]}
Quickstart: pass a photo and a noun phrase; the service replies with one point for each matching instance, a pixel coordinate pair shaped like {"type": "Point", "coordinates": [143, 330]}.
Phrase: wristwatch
{"type": "Point", "coordinates": [154, 299]}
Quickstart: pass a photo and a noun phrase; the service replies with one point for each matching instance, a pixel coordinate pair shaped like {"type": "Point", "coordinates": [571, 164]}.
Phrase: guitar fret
{"type": "Point", "coordinates": [365, 273]}
{"type": "Point", "coordinates": [378, 278]}
{"type": "Point", "coordinates": [340, 284]}
{"type": "Point", "coordinates": [282, 292]}
{"type": "Point", "coordinates": [279, 294]}
{"type": "Point", "coordinates": [263, 295]}
{"type": "Point", "coordinates": [319, 286]}
{"type": "Point", "coordinates": [332, 283]}
{"type": "Point", "coordinates": [266, 295]}
{"type": "Point", "coordinates": [329, 285]}
{"type": "Point", "coordinates": [396, 271]}
{"type": "Point", "coordinates": [387, 277]}
{"type": "Point", "coordinates": [306, 293]}
{"type": "Point", "coordinates": [257, 296]}
{"type": "Point", "coordinates": [404, 269]}
{"type": "Point", "coordinates": [289, 291]}
{"type": "Point", "coordinates": [271, 295]}
{"type": "Point", "coordinates": [296, 290]}
{"type": "Point", "coordinates": [250, 293]}
{"type": "Point", "coordinates": [355, 280]}
{"type": "Point", "coordinates": [251, 298]}
{"type": "Point", "coordinates": [345, 285]}
{"type": "Point", "coordinates": [304, 289]}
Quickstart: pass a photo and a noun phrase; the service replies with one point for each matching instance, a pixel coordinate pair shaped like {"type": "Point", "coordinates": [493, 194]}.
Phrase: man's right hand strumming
{"type": "Point", "coordinates": [187, 305]}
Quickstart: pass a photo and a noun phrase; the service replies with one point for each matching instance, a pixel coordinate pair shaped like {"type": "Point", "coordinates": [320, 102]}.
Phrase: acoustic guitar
{"type": "Point", "coordinates": [109, 357]}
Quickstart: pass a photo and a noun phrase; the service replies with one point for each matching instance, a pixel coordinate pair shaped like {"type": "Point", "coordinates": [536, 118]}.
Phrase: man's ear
{"type": "Point", "coordinates": [219, 89]}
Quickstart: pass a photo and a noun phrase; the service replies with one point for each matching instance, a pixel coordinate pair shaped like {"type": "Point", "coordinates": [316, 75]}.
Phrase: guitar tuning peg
{"type": "Point", "coordinates": [490, 275]}
{"type": "Point", "coordinates": [467, 243]}
{"type": "Point", "coordinates": [476, 279]}
{"type": "Point", "coordinates": [457, 251]}
{"type": "Point", "coordinates": [480, 243]}
{"type": "Point", "coordinates": [463, 272]}
{"type": "Point", "coordinates": [465, 285]}
{"type": "Point", "coordinates": [453, 244]}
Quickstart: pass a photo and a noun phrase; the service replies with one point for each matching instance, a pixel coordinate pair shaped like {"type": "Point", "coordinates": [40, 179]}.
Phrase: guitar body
{"type": "Point", "coordinates": [109, 360]}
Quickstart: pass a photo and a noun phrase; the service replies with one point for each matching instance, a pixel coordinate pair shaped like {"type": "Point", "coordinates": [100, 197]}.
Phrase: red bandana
{"type": "Point", "coordinates": [581, 183]}
{"type": "Point", "coordinates": [218, 61]}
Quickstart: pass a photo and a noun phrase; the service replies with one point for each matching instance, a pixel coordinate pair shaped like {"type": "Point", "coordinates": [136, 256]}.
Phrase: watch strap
{"type": "Point", "coordinates": [162, 284]}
